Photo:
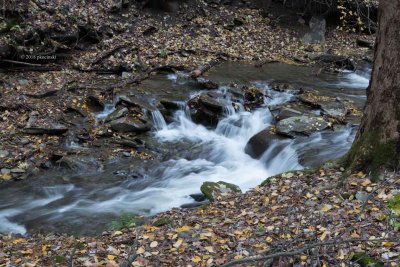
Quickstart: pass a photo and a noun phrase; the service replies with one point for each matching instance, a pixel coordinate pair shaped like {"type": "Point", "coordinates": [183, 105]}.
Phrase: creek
{"type": "Point", "coordinates": [189, 153]}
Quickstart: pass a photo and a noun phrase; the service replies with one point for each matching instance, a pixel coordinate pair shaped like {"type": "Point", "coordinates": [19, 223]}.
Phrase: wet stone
{"type": "Point", "coordinates": [215, 102]}
{"type": "Point", "coordinates": [130, 124]}
{"type": "Point", "coordinates": [119, 113]}
{"type": "Point", "coordinates": [261, 141]}
{"type": "Point", "coordinates": [48, 128]}
{"type": "Point", "coordinates": [303, 125]}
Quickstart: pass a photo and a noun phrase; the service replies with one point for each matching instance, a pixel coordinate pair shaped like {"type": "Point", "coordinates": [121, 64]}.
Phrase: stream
{"type": "Point", "coordinates": [86, 202]}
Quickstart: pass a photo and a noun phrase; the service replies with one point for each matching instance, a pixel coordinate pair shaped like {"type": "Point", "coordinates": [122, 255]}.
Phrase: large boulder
{"type": "Point", "coordinates": [130, 124]}
{"type": "Point", "coordinates": [301, 125]}
{"type": "Point", "coordinates": [214, 102]}
{"type": "Point", "coordinates": [260, 142]}
{"type": "Point", "coordinates": [211, 189]}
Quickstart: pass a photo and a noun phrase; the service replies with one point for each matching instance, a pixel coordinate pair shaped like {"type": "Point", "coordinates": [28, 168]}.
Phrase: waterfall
{"type": "Point", "coordinates": [158, 119]}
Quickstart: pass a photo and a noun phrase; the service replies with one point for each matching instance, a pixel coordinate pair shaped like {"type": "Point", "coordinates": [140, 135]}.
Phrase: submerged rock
{"type": "Point", "coordinates": [130, 124]}
{"type": "Point", "coordinates": [303, 125]}
{"type": "Point", "coordinates": [211, 189]}
{"type": "Point", "coordinates": [260, 142]}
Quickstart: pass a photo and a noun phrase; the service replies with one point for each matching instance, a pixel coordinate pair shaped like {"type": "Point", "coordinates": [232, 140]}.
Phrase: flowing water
{"type": "Point", "coordinates": [85, 202]}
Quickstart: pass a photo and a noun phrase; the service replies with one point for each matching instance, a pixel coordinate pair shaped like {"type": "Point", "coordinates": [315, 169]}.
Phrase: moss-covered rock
{"type": "Point", "coordinates": [212, 189]}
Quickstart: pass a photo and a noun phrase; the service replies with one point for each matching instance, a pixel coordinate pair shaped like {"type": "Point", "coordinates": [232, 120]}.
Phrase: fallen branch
{"type": "Point", "coordinates": [303, 249]}
{"type": "Point", "coordinates": [133, 253]}
{"type": "Point", "coordinates": [203, 68]}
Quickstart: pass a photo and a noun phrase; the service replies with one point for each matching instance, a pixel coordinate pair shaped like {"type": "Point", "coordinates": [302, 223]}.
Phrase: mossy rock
{"type": "Point", "coordinates": [394, 206]}
{"type": "Point", "coordinates": [288, 174]}
{"type": "Point", "coordinates": [162, 221]}
{"type": "Point", "coordinates": [365, 261]}
{"type": "Point", "coordinates": [212, 189]}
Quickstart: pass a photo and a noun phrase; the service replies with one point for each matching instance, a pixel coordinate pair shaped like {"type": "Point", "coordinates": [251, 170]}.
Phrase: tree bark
{"type": "Point", "coordinates": [377, 144]}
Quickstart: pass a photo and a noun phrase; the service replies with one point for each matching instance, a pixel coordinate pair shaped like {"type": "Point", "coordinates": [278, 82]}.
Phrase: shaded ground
{"type": "Point", "coordinates": [310, 211]}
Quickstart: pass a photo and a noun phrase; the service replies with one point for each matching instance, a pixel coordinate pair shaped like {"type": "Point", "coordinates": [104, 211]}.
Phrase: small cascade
{"type": "Point", "coordinates": [185, 108]}
{"type": "Point", "coordinates": [158, 119]}
{"type": "Point", "coordinates": [70, 143]}
{"type": "Point", "coordinates": [108, 109]}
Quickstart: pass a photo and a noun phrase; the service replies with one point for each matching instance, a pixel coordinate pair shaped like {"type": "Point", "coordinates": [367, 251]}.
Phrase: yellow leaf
{"type": "Point", "coordinates": [110, 257]}
{"type": "Point", "coordinates": [366, 182]}
{"type": "Point", "coordinates": [209, 249]}
{"type": "Point", "coordinates": [340, 255]}
{"type": "Point", "coordinates": [268, 239]}
{"type": "Point", "coordinates": [360, 174]}
{"type": "Point", "coordinates": [196, 259]}
{"type": "Point", "coordinates": [184, 228]}
{"type": "Point", "coordinates": [140, 250]}
{"type": "Point", "coordinates": [153, 244]}
{"type": "Point", "coordinates": [326, 207]}
{"type": "Point", "coordinates": [178, 243]}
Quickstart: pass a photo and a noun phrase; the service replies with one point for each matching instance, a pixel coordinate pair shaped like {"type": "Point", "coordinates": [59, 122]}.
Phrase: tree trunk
{"type": "Point", "coordinates": [377, 144]}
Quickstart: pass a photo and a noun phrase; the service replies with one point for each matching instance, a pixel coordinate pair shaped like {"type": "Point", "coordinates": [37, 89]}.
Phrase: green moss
{"type": "Point", "coordinates": [269, 179]}
{"type": "Point", "coordinates": [161, 222]}
{"type": "Point", "coordinates": [126, 220]}
{"type": "Point", "coordinates": [365, 261]}
{"type": "Point", "coordinates": [369, 155]}
{"type": "Point", "coordinates": [394, 206]}
{"type": "Point", "coordinates": [260, 231]}
{"type": "Point", "coordinates": [280, 175]}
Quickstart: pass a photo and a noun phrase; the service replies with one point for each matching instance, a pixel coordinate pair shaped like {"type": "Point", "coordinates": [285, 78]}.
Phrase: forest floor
{"type": "Point", "coordinates": [299, 218]}
{"type": "Point", "coordinates": [308, 218]}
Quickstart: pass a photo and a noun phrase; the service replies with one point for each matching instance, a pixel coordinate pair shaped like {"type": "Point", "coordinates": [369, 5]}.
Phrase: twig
{"type": "Point", "coordinates": [132, 256]}
{"type": "Point", "coordinates": [21, 63]}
